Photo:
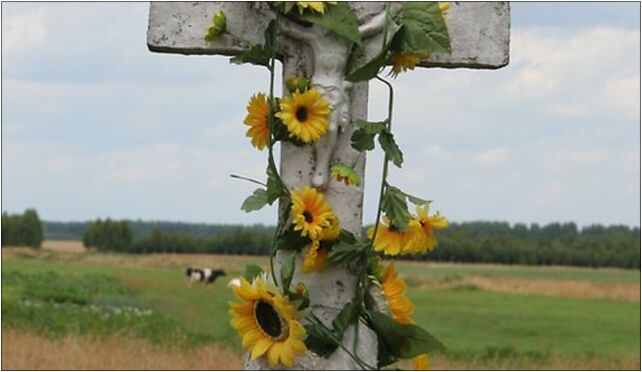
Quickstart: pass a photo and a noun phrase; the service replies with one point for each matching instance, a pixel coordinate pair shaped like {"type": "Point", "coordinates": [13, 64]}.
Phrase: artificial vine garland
{"type": "Point", "coordinates": [271, 314]}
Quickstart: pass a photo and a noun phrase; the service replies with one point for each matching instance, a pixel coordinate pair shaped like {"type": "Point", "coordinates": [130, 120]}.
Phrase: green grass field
{"type": "Point", "coordinates": [54, 293]}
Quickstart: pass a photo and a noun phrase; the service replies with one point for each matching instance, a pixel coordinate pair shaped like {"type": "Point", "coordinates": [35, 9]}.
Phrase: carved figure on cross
{"type": "Point", "coordinates": [330, 55]}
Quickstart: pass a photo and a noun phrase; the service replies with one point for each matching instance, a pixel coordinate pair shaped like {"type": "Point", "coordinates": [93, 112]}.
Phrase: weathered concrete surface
{"type": "Point", "coordinates": [480, 31]}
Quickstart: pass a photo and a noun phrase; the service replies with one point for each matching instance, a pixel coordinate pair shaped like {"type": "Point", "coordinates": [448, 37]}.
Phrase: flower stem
{"type": "Point", "coordinates": [338, 342]}
{"type": "Point", "coordinates": [248, 179]}
{"type": "Point", "coordinates": [271, 163]}
{"type": "Point", "coordinates": [384, 172]}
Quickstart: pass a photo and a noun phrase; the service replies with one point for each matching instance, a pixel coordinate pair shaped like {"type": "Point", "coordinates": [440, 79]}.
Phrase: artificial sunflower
{"type": "Point", "coordinates": [298, 83]}
{"type": "Point", "coordinates": [257, 120]}
{"type": "Point", "coordinates": [332, 231]}
{"type": "Point", "coordinates": [394, 288]}
{"type": "Point", "coordinates": [317, 6]}
{"type": "Point", "coordinates": [443, 8]}
{"type": "Point", "coordinates": [345, 174]}
{"type": "Point", "coordinates": [404, 61]}
{"type": "Point", "coordinates": [300, 289]}
{"type": "Point", "coordinates": [426, 240]}
{"type": "Point", "coordinates": [315, 258]}
{"type": "Point", "coordinates": [421, 362]}
{"type": "Point", "coordinates": [390, 240]}
{"type": "Point", "coordinates": [305, 114]}
{"type": "Point", "coordinates": [310, 212]}
{"type": "Point", "coordinates": [267, 324]}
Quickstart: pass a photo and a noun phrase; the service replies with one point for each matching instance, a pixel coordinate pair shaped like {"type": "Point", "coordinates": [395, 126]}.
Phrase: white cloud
{"type": "Point", "coordinates": [593, 71]}
{"type": "Point", "coordinates": [23, 33]}
{"type": "Point", "coordinates": [587, 156]}
{"type": "Point", "coordinates": [569, 109]}
{"type": "Point", "coordinates": [492, 156]}
{"type": "Point", "coordinates": [623, 93]}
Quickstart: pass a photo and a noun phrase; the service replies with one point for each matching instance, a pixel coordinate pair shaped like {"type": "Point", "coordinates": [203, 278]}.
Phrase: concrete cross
{"type": "Point", "coordinates": [479, 33]}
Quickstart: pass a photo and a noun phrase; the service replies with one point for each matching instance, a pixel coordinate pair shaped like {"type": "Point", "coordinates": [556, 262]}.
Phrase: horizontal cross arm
{"type": "Point", "coordinates": [479, 31]}
{"type": "Point", "coordinates": [180, 27]}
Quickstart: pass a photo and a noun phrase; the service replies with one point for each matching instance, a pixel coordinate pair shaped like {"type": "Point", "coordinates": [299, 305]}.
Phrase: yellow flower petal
{"type": "Point", "coordinates": [262, 307]}
{"type": "Point", "coordinates": [394, 289]}
{"type": "Point", "coordinates": [421, 362]}
{"type": "Point", "coordinates": [274, 354]}
{"type": "Point", "coordinates": [251, 338]}
{"type": "Point", "coordinates": [402, 62]}
{"type": "Point", "coordinates": [310, 213]}
{"type": "Point", "coordinates": [257, 119]}
{"type": "Point", "coordinates": [260, 348]}
{"type": "Point", "coordinates": [318, 6]}
{"type": "Point", "coordinates": [305, 114]}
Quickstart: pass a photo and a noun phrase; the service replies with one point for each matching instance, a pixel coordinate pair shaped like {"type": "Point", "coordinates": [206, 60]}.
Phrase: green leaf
{"type": "Point", "coordinates": [274, 189]}
{"type": "Point", "coordinates": [252, 271]}
{"type": "Point", "coordinates": [362, 141]}
{"type": "Point", "coordinates": [415, 200]}
{"type": "Point", "coordinates": [345, 174]}
{"type": "Point", "coordinates": [318, 341]}
{"type": "Point", "coordinates": [339, 18]}
{"type": "Point", "coordinates": [375, 268]}
{"type": "Point", "coordinates": [371, 127]}
{"type": "Point", "coordinates": [348, 315]}
{"type": "Point", "coordinates": [389, 146]}
{"type": "Point", "coordinates": [321, 339]}
{"type": "Point", "coordinates": [259, 54]}
{"type": "Point", "coordinates": [347, 237]}
{"type": "Point", "coordinates": [270, 38]}
{"type": "Point", "coordinates": [424, 28]}
{"type": "Point", "coordinates": [384, 357]}
{"type": "Point", "coordinates": [287, 272]}
{"type": "Point", "coordinates": [395, 207]}
{"type": "Point", "coordinates": [256, 201]}
{"type": "Point", "coordinates": [300, 83]}
{"type": "Point", "coordinates": [255, 55]}
{"type": "Point", "coordinates": [372, 67]}
{"type": "Point", "coordinates": [346, 252]}
{"type": "Point", "coordinates": [218, 27]}
{"type": "Point", "coordinates": [291, 240]}
{"type": "Point", "coordinates": [402, 340]}
{"type": "Point", "coordinates": [363, 138]}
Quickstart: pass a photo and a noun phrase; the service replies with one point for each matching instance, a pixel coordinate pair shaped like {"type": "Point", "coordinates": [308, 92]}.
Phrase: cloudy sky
{"type": "Point", "coordinates": [94, 125]}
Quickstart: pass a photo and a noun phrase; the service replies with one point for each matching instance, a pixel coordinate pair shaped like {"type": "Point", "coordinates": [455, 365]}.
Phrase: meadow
{"type": "Point", "coordinates": [67, 308]}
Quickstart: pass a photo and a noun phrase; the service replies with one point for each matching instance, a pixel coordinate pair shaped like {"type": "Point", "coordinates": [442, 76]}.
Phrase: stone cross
{"type": "Point", "coordinates": [479, 33]}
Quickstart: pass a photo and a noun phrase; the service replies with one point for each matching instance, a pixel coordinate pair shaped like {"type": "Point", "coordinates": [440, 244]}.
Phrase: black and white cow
{"type": "Point", "coordinates": [203, 275]}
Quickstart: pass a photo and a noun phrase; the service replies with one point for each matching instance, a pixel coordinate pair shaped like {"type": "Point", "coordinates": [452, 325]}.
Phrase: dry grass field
{"type": "Point", "coordinates": [27, 351]}
{"type": "Point", "coordinates": [490, 317]}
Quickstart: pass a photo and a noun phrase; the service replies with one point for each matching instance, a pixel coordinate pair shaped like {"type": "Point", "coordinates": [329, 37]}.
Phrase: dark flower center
{"type": "Point", "coordinates": [268, 319]}
{"type": "Point", "coordinates": [301, 114]}
{"type": "Point", "coordinates": [308, 216]}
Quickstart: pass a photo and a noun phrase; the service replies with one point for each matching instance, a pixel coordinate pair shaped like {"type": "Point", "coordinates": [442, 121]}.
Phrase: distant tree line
{"type": "Point", "coordinates": [552, 244]}
{"type": "Point", "coordinates": [108, 235]}
{"type": "Point", "coordinates": [118, 236]}
{"type": "Point", "coordinates": [487, 242]}
{"type": "Point", "coordinates": [22, 229]}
